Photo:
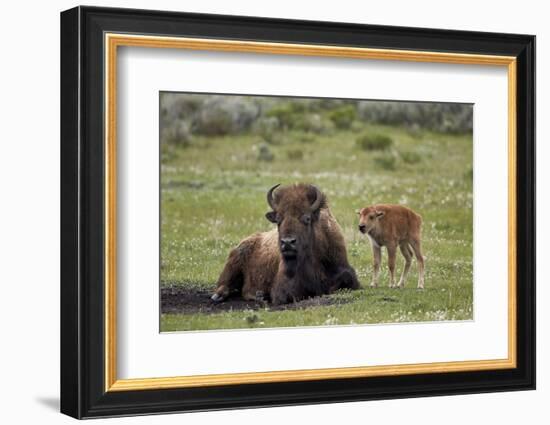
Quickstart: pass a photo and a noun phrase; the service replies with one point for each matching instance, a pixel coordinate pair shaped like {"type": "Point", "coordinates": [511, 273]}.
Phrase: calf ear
{"type": "Point", "coordinates": [380, 214]}
{"type": "Point", "coordinates": [358, 212]}
{"type": "Point", "coordinates": [271, 216]}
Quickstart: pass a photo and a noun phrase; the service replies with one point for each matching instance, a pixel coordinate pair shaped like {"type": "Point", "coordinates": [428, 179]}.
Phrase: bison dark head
{"type": "Point", "coordinates": [296, 210]}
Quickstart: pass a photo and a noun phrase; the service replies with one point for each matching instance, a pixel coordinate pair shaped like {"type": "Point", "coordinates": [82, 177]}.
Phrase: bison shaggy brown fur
{"type": "Point", "coordinates": [304, 256]}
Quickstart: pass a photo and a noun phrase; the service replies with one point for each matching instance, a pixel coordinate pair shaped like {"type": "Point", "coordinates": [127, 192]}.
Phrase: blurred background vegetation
{"type": "Point", "coordinates": [186, 115]}
{"type": "Point", "coordinates": [220, 154]}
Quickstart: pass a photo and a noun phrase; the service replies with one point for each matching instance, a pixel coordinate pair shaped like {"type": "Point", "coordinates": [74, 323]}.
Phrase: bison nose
{"type": "Point", "coordinates": [288, 243]}
{"type": "Point", "coordinates": [362, 228]}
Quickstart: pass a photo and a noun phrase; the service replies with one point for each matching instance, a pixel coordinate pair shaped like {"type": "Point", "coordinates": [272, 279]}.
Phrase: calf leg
{"type": "Point", "coordinates": [417, 247]}
{"type": "Point", "coordinates": [377, 256]}
{"type": "Point", "coordinates": [392, 250]}
{"type": "Point", "coordinates": [407, 253]}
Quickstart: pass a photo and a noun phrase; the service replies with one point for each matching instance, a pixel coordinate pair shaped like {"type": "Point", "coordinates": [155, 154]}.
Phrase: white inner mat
{"type": "Point", "coordinates": [144, 352]}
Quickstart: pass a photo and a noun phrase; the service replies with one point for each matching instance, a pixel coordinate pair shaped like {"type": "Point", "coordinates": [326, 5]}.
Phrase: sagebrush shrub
{"type": "Point", "coordinates": [410, 157]}
{"type": "Point", "coordinates": [343, 117]}
{"type": "Point", "coordinates": [295, 154]}
{"type": "Point", "coordinates": [386, 161]}
{"type": "Point", "coordinates": [374, 141]}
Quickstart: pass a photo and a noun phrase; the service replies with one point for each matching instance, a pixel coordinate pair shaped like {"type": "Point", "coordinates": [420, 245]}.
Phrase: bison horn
{"type": "Point", "coordinates": [317, 203]}
{"type": "Point", "coordinates": [270, 200]}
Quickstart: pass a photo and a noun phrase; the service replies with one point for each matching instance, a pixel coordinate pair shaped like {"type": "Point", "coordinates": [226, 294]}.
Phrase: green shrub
{"type": "Point", "coordinates": [410, 157]}
{"type": "Point", "coordinates": [386, 161]}
{"type": "Point", "coordinates": [343, 117]}
{"type": "Point", "coordinates": [283, 113]}
{"type": "Point", "coordinates": [287, 113]}
{"type": "Point", "coordinates": [374, 142]}
{"type": "Point", "coordinates": [296, 116]}
{"type": "Point", "coordinates": [178, 133]}
{"type": "Point", "coordinates": [440, 117]}
{"type": "Point", "coordinates": [222, 115]}
{"type": "Point", "coordinates": [299, 106]}
{"type": "Point", "coordinates": [215, 124]}
{"type": "Point", "coordinates": [268, 128]}
{"type": "Point", "coordinates": [264, 153]}
{"type": "Point", "coordinates": [295, 154]}
{"type": "Point", "coordinates": [313, 123]}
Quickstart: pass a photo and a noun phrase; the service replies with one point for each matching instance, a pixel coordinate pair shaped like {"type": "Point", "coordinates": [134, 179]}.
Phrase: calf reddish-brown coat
{"type": "Point", "coordinates": [393, 226]}
{"type": "Point", "coordinates": [304, 256]}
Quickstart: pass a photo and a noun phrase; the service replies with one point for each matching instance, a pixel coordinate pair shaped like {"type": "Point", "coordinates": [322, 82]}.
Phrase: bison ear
{"type": "Point", "coordinates": [271, 216]}
{"type": "Point", "coordinates": [380, 214]}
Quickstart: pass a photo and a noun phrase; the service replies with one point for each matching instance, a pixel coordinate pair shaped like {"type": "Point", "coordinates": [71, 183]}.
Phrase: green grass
{"type": "Point", "coordinates": [213, 195]}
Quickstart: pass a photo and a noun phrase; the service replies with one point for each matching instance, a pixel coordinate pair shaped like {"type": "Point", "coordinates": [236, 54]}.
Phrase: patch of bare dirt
{"type": "Point", "coordinates": [179, 299]}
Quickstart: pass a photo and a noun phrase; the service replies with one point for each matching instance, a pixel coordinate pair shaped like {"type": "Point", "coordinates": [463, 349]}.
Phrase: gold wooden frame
{"type": "Point", "coordinates": [113, 41]}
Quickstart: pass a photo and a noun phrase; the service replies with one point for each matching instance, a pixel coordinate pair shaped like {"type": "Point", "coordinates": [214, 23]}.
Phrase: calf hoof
{"type": "Point", "coordinates": [373, 285]}
{"type": "Point", "coordinates": [216, 298]}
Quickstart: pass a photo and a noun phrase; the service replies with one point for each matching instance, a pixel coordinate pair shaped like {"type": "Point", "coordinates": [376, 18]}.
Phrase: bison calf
{"type": "Point", "coordinates": [392, 226]}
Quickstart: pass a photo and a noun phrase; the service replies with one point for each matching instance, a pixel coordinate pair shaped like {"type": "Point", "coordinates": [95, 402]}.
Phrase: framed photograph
{"type": "Point", "coordinates": [261, 212]}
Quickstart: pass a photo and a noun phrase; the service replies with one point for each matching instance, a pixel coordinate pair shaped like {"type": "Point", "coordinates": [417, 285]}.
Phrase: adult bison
{"type": "Point", "coordinates": [304, 256]}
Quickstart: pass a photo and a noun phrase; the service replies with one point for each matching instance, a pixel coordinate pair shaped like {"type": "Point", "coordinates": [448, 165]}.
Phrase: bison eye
{"type": "Point", "coordinates": [306, 219]}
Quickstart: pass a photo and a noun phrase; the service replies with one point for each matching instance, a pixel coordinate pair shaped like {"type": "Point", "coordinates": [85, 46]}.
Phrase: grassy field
{"type": "Point", "coordinates": [213, 195]}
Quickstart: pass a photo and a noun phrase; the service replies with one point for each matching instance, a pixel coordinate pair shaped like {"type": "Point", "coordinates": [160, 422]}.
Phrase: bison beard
{"type": "Point", "coordinates": [305, 256]}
